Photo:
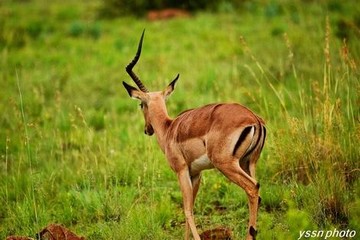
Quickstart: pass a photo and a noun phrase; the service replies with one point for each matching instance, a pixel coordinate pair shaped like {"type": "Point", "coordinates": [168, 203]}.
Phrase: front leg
{"type": "Point", "coordinates": [188, 201]}
{"type": "Point", "coordinates": [195, 182]}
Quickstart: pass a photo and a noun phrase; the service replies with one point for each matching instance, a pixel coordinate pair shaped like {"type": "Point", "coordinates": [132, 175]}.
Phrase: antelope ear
{"type": "Point", "coordinates": [134, 92]}
{"type": "Point", "coordinates": [170, 88]}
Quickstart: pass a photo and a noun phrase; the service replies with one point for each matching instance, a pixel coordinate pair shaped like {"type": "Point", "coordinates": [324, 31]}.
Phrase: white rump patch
{"type": "Point", "coordinates": [252, 139]}
{"type": "Point", "coordinates": [199, 164]}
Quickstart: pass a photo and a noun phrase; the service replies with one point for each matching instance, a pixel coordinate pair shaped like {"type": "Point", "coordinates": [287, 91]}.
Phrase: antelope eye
{"type": "Point", "coordinates": [142, 105]}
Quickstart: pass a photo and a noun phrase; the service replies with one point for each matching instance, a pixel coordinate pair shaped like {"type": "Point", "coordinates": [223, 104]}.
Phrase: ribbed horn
{"type": "Point", "coordinates": [133, 63]}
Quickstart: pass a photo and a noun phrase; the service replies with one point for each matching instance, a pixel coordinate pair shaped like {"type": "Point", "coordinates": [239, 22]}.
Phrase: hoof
{"type": "Point", "coordinates": [253, 232]}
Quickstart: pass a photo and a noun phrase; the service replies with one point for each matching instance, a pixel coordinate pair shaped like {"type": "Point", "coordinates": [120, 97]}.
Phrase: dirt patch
{"type": "Point", "coordinates": [165, 14]}
{"type": "Point", "coordinates": [216, 234]}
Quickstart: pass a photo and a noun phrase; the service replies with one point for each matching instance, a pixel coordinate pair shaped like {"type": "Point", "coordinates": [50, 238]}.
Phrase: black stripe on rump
{"type": "Point", "coordinates": [242, 138]}
{"type": "Point", "coordinates": [255, 145]}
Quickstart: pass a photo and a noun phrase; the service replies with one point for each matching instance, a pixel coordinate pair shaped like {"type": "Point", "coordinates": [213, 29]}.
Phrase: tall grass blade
{"type": "Point", "coordinates": [28, 148]}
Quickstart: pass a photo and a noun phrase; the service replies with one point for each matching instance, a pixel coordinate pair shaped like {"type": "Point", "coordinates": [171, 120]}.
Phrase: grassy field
{"type": "Point", "coordinates": [72, 148]}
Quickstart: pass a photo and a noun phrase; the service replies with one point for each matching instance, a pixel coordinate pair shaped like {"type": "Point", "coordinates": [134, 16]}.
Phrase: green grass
{"type": "Point", "coordinates": [72, 148]}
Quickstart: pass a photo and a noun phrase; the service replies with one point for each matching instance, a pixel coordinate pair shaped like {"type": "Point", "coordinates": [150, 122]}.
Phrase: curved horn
{"type": "Point", "coordinates": [133, 63]}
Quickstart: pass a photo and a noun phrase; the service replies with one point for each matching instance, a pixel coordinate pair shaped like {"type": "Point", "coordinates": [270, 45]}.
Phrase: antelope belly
{"type": "Point", "coordinates": [199, 164]}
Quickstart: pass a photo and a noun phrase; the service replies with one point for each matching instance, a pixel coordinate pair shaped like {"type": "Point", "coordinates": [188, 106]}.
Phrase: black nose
{"type": "Point", "coordinates": [149, 132]}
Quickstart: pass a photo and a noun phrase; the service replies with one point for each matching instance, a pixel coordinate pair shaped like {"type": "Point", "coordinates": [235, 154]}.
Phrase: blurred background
{"type": "Point", "coordinates": [72, 148]}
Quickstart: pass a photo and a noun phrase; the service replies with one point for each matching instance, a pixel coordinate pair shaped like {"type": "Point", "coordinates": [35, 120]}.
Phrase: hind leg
{"type": "Point", "coordinates": [232, 170]}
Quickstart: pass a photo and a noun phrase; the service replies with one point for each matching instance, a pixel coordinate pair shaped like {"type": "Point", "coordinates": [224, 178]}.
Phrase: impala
{"type": "Point", "coordinates": [228, 137]}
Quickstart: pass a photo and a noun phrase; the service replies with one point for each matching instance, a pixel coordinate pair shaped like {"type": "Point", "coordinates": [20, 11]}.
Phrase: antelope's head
{"type": "Point", "coordinates": [152, 103]}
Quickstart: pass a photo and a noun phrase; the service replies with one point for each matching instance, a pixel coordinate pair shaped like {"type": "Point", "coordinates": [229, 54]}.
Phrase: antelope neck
{"type": "Point", "coordinates": [160, 122]}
